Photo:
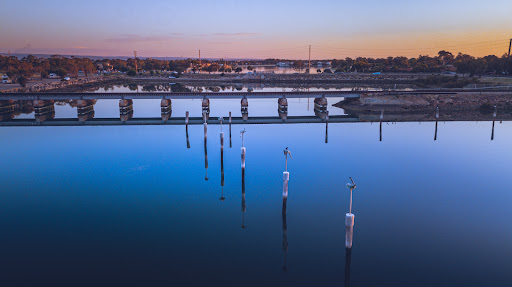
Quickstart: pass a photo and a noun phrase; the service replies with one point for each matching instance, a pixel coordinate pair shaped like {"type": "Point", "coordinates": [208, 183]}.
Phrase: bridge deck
{"type": "Point", "coordinates": [222, 95]}
{"type": "Point", "coordinates": [176, 121]}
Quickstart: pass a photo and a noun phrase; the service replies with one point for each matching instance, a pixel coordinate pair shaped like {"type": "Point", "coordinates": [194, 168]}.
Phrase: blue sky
{"type": "Point", "coordinates": [255, 28]}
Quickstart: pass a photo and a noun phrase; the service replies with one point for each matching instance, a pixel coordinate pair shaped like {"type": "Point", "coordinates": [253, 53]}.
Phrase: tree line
{"type": "Point", "coordinates": [21, 69]}
{"type": "Point", "coordinates": [443, 61]}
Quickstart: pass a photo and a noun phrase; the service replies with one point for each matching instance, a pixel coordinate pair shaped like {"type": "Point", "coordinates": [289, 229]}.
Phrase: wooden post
{"type": "Point", "coordinates": [230, 142]}
{"type": "Point", "coordinates": [327, 127]}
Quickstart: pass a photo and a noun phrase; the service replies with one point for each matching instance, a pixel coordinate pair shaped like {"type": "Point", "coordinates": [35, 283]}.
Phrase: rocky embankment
{"type": "Point", "coordinates": [422, 107]}
{"type": "Point", "coordinates": [75, 84]}
{"type": "Point", "coordinates": [304, 78]}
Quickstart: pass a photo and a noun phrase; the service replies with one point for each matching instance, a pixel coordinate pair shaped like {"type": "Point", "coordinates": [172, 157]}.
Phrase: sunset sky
{"type": "Point", "coordinates": [255, 29]}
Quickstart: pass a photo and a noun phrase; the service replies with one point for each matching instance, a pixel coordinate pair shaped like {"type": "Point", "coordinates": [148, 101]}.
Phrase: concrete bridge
{"type": "Point", "coordinates": [175, 121]}
{"type": "Point", "coordinates": [43, 106]}
{"type": "Point", "coordinates": [223, 95]}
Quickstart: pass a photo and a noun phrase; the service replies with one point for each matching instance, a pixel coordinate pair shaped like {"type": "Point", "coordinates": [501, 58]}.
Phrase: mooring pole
{"type": "Point", "coordinates": [222, 198]}
{"type": "Point", "coordinates": [230, 143]}
{"type": "Point", "coordinates": [493, 120]}
{"type": "Point", "coordinates": [437, 118]}
{"type": "Point", "coordinates": [186, 128]}
{"type": "Point", "coordinates": [327, 127]}
{"type": "Point", "coordinates": [349, 218]}
{"type": "Point", "coordinates": [286, 174]}
{"type": "Point", "coordinates": [243, 150]}
{"type": "Point", "coordinates": [381, 117]}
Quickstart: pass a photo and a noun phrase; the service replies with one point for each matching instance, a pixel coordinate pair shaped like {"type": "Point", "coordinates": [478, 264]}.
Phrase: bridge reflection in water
{"type": "Point", "coordinates": [44, 114]}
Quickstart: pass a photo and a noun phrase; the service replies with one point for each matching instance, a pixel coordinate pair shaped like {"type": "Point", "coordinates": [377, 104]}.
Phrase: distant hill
{"type": "Point", "coordinates": [21, 55]}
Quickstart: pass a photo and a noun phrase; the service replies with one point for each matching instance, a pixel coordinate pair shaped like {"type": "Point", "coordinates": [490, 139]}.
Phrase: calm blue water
{"type": "Point", "coordinates": [129, 205]}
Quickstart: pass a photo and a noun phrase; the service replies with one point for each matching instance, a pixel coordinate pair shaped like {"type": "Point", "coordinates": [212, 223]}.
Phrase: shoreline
{"type": "Point", "coordinates": [386, 81]}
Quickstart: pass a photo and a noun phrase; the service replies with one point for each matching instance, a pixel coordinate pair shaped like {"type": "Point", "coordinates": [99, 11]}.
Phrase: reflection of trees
{"type": "Point", "coordinates": [179, 88]}
{"type": "Point", "coordinates": [73, 103]}
{"type": "Point", "coordinates": [149, 88]}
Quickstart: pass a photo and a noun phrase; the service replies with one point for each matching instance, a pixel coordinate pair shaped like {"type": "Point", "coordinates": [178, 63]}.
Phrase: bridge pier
{"type": "Point", "coordinates": [321, 107]}
{"type": "Point", "coordinates": [125, 109]}
{"type": "Point", "coordinates": [44, 110]}
{"type": "Point", "coordinates": [205, 104]}
{"type": "Point", "coordinates": [245, 108]}
{"type": "Point", "coordinates": [85, 109]}
{"type": "Point", "coordinates": [166, 109]}
{"type": "Point", "coordinates": [7, 106]}
{"type": "Point", "coordinates": [7, 109]}
{"type": "Point", "coordinates": [282, 108]}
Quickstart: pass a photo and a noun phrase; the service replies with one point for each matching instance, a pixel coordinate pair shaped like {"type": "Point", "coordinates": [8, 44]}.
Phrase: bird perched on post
{"type": "Point", "coordinates": [286, 152]}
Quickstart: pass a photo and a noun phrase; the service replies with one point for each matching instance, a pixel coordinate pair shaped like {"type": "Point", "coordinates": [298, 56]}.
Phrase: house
{"type": "Point", "coordinates": [5, 78]}
{"type": "Point", "coordinates": [284, 64]}
{"type": "Point", "coordinates": [104, 66]}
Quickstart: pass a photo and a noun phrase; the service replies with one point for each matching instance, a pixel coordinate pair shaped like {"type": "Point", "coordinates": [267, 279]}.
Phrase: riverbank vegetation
{"type": "Point", "coordinates": [19, 70]}
{"type": "Point", "coordinates": [445, 82]}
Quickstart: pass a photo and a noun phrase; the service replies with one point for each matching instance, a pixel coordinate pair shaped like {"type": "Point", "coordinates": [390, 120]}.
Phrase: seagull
{"type": "Point", "coordinates": [351, 185]}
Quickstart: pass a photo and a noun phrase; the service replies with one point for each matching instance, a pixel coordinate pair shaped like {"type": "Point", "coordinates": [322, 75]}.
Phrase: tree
{"type": "Point", "coordinates": [298, 65]}
{"type": "Point", "coordinates": [361, 64]}
{"type": "Point", "coordinates": [250, 68]}
{"type": "Point", "coordinates": [23, 81]}
{"type": "Point", "coordinates": [318, 71]}
{"type": "Point", "coordinates": [445, 55]}
{"type": "Point", "coordinates": [238, 70]}
{"type": "Point", "coordinates": [131, 73]}
{"type": "Point", "coordinates": [60, 72]}
{"type": "Point", "coordinates": [463, 63]}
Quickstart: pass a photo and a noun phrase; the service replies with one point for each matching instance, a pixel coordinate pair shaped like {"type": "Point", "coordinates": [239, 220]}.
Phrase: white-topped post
{"type": "Point", "coordinates": [349, 219]}
{"type": "Point", "coordinates": [286, 174]}
{"type": "Point", "coordinates": [243, 150]}
{"type": "Point", "coordinates": [221, 134]}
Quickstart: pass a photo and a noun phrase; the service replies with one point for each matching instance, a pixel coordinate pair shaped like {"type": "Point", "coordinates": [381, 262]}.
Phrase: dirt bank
{"type": "Point", "coordinates": [456, 106]}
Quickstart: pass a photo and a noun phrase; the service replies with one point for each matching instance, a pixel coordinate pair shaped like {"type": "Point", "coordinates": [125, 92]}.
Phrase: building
{"type": "Point", "coordinates": [104, 66]}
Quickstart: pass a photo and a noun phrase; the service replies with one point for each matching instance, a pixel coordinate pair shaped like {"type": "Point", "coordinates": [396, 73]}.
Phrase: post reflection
{"type": "Point", "coordinates": [205, 146]}
{"type": "Point", "coordinates": [348, 261]}
{"type": "Point", "coordinates": [222, 198]}
{"type": "Point", "coordinates": [243, 198]}
{"type": "Point", "coordinates": [243, 151]}
{"type": "Point", "coordinates": [285, 231]}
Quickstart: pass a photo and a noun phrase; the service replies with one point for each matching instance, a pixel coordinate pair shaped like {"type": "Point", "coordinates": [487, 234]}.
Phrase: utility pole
{"type": "Point", "coordinates": [309, 65]}
{"type": "Point", "coordinates": [135, 56]}
{"type": "Point", "coordinates": [509, 46]}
